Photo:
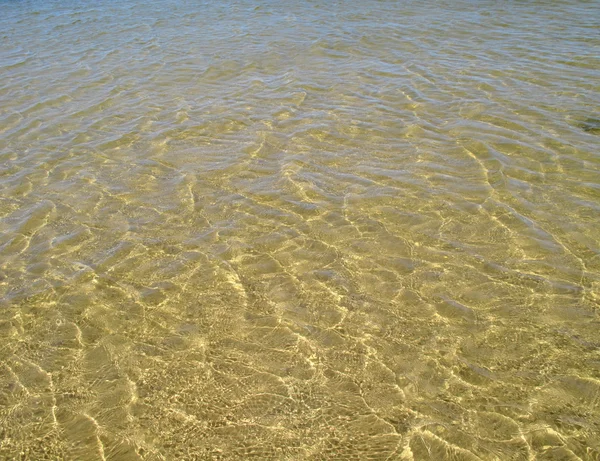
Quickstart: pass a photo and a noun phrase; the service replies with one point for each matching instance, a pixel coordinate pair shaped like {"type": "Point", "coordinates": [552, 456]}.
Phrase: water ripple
{"type": "Point", "coordinates": [320, 230]}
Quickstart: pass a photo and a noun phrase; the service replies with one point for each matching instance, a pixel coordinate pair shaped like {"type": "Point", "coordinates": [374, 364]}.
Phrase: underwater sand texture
{"type": "Point", "coordinates": [299, 230]}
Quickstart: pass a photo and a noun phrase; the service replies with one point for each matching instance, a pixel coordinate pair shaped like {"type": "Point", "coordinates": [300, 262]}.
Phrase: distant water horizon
{"type": "Point", "coordinates": [300, 230]}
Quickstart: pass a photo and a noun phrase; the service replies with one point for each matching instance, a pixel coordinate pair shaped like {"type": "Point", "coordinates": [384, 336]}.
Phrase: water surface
{"type": "Point", "coordinates": [300, 230]}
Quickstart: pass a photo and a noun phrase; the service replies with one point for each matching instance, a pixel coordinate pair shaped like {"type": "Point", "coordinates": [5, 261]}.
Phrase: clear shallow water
{"type": "Point", "coordinates": [311, 230]}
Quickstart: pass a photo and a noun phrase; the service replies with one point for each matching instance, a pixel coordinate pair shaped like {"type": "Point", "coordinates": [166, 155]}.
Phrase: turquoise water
{"type": "Point", "coordinates": [300, 230]}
